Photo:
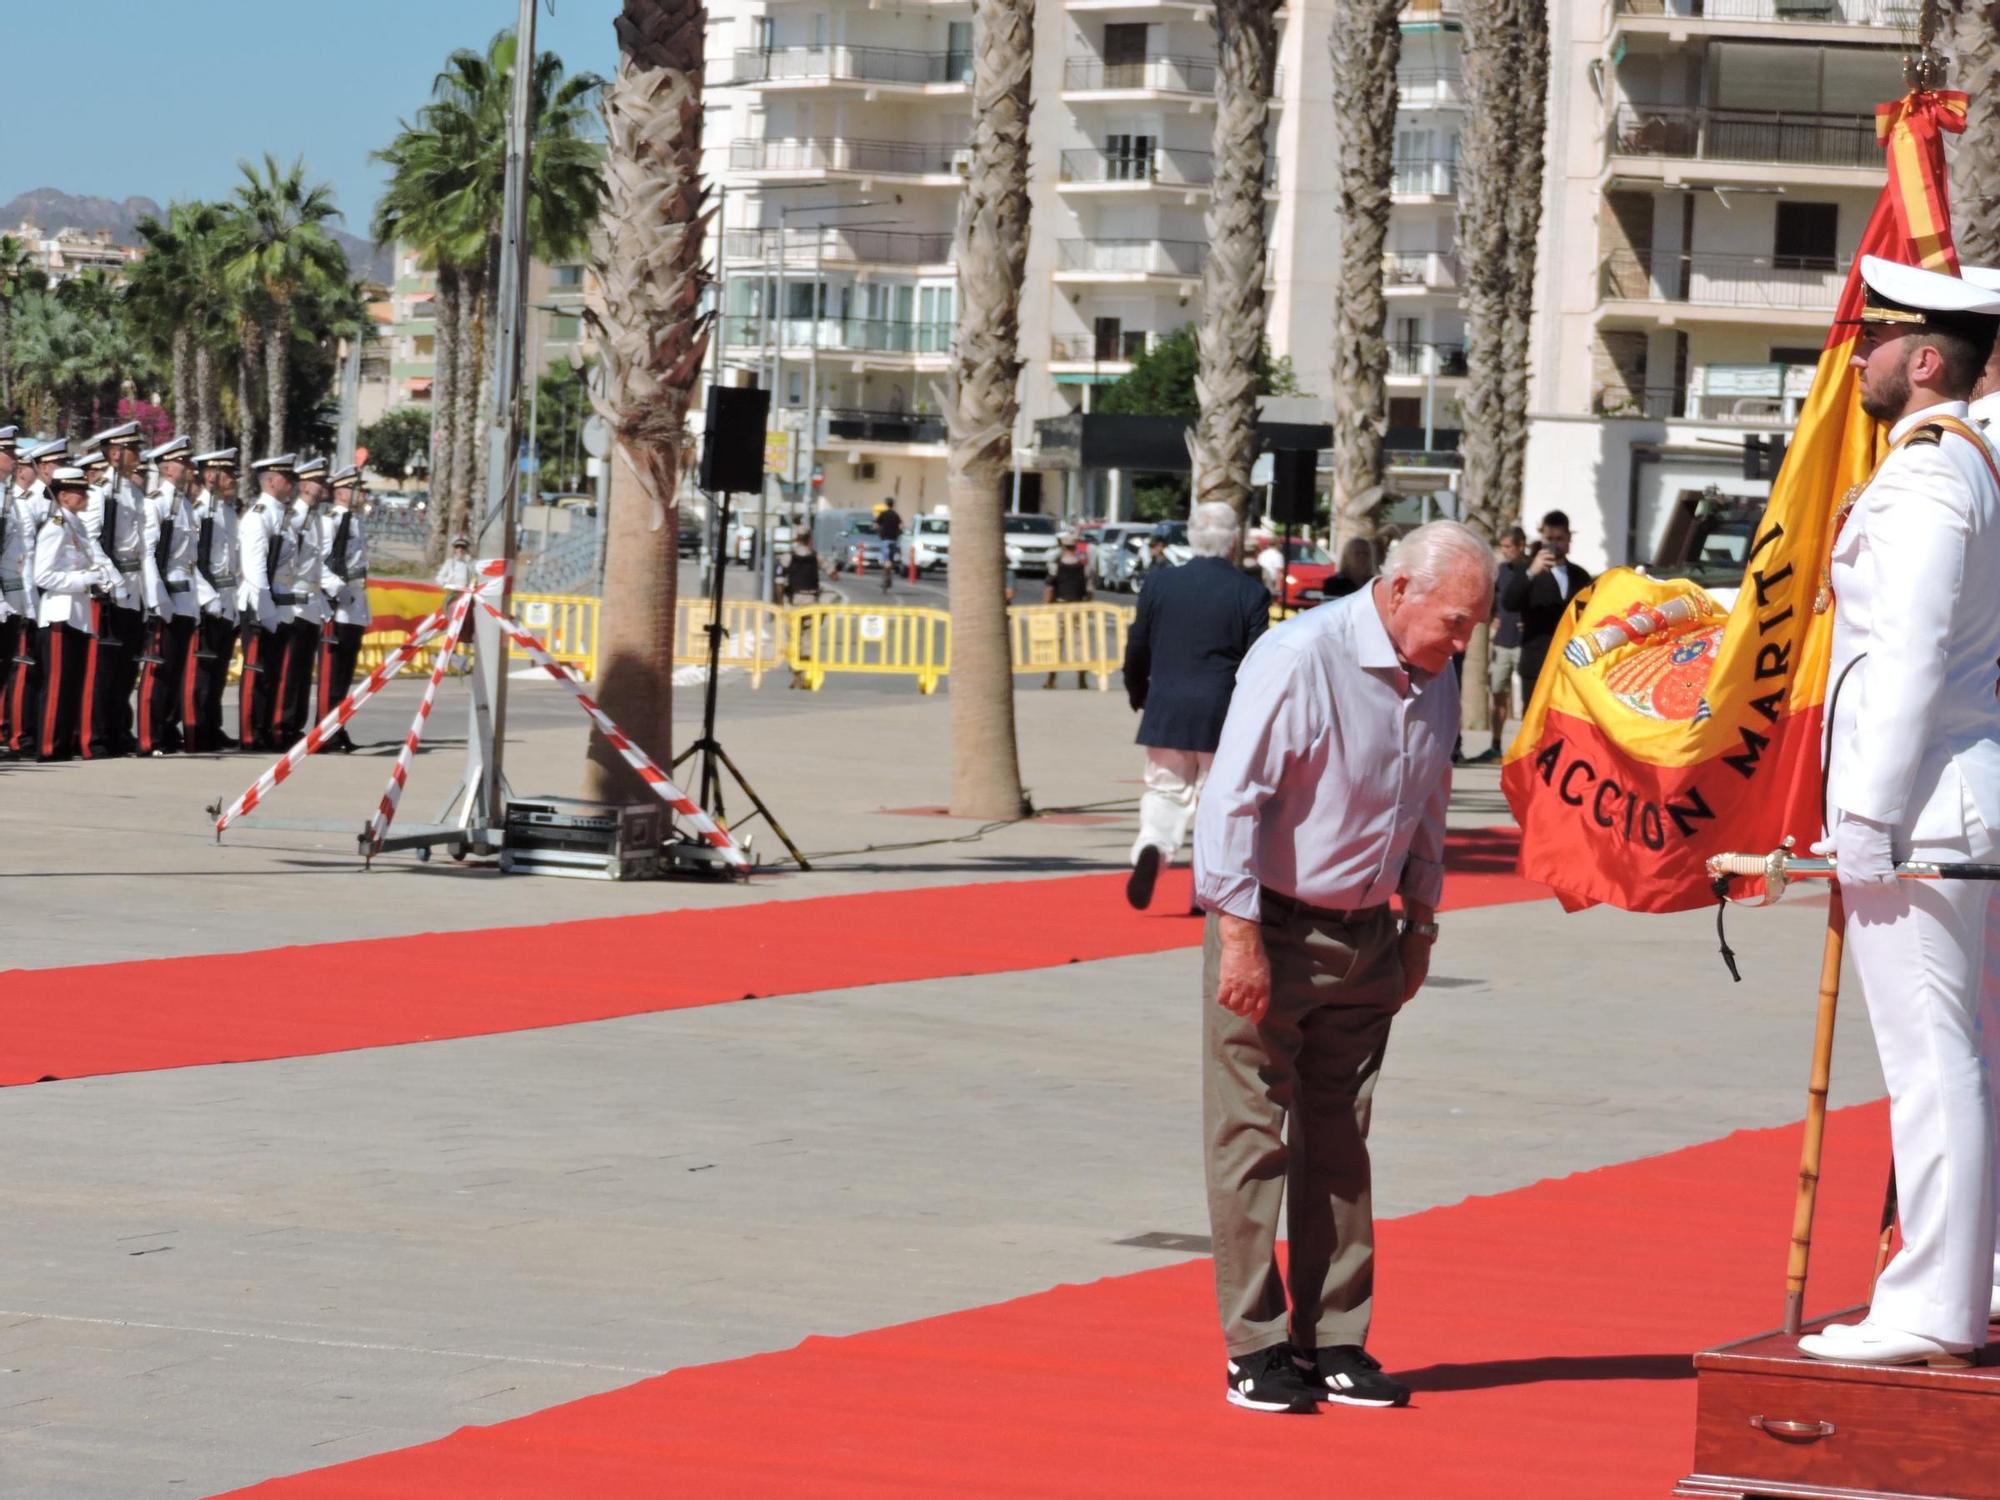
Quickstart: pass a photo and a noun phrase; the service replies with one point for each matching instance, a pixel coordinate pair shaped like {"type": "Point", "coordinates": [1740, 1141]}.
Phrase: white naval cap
{"type": "Point", "coordinates": [1985, 277]}
{"type": "Point", "coordinates": [69, 477]}
{"type": "Point", "coordinates": [43, 452]}
{"type": "Point", "coordinates": [94, 459]}
{"type": "Point", "coordinates": [224, 456]}
{"type": "Point", "coordinates": [176, 446]}
{"type": "Point", "coordinates": [1911, 295]}
{"type": "Point", "coordinates": [311, 468]}
{"type": "Point", "coordinates": [344, 478]}
{"type": "Point", "coordinates": [10, 438]}
{"type": "Point", "coordinates": [126, 434]}
{"type": "Point", "coordinates": [277, 463]}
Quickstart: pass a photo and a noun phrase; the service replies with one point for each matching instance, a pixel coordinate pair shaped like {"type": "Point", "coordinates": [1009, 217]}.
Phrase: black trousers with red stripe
{"type": "Point", "coordinates": [257, 693]}
{"type": "Point", "coordinates": [210, 647]}
{"type": "Point", "coordinates": [295, 693]}
{"type": "Point", "coordinates": [160, 673]}
{"type": "Point", "coordinates": [337, 665]}
{"type": "Point", "coordinates": [20, 683]}
{"type": "Point", "coordinates": [65, 665]}
{"type": "Point", "coordinates": [112, 670]}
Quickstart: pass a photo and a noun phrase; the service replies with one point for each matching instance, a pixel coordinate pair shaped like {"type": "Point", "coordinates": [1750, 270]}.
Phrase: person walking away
{"type": "Point", "coordinates": [344, 581]}
{"type": "Point", "coordinates": [1194, 624]}
{"type": "Point", "coordinates": [889, 527]}
{"type": "Point", "coordinates": [1541, 592]}
{"type": "Point", "coordinates": [1326, 801]}
{"type": "Point", "coordinates": [1503, 651]}
{"type": "Point", "coordinates": [1068, 583]}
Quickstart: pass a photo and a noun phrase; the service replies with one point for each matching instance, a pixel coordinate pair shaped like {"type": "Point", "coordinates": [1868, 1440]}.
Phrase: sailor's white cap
{"type": "Point", "coordinates": [225, 456]}
{"type": "Point", "coordinates": [176, 446]}
{"type": "Point", "coordinates": [1911, 295]}
{"type": "Point", "coordinates": [126, 434]}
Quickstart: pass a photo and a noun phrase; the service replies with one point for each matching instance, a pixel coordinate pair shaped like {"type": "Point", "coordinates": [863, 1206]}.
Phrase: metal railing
{"type": "Point", "coordinates": [1889, 14]}
{"type": "Point", "coordinates": [1660, 403]}
{"type": "Point", "coordinates": [859, 425]}
{"type": "Point", "coordinates": [1446, 361]}
{"type": "Point", "coordinates": [1416, 87]}
{"type": "Point", "coordinates": [844, 154]}
{"type": "Point", "coordinates": [836, 246]}
{"type": "Point", "coordinates": [1134, 257]}
{"type": "Point", "coordinates": [845, 64]}
{"type": "Point", "coordinates": [1438, 268]}
{"type": "Point", "coordinates": [1166, 165]}
{"type": "Point", "coordinates": [838, 335]}
{"type": "Point", "coordinates": [1705, 280]}
{"type": "Point", "coordinates": [1415, 176]}
{"type": "Point", "coordinates": [1088, 349]}
{"type": "Point", "coordinates": [1781, 137]}
{"type": "Point", "coordinates": [1163, 75]}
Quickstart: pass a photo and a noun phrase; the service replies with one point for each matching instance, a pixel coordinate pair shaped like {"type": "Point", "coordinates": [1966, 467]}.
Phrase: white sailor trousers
{"type": "Point", "coordinates": [1989, 1040]}
{"type": "Point", "coordinates": [1920, 949]}
{"type": "Point", "coordinates": [1174, 780]}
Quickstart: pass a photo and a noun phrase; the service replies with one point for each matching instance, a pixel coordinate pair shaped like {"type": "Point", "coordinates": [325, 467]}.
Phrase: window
{"type": "Point", "coordinates": [1128, 158]}
{"type": "Point", "coordinates": [564, 328]}
{"type": "Point", "coordinates": [1805, 236]}
{"type": "Point", "coordinates": [1105, 338]}
{"type": "Point", "coordinates": [566, 278]}
{"type": "Point", "coordinates": [1787, 354]}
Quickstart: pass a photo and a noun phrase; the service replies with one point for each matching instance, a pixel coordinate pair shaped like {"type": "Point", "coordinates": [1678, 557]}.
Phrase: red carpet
{"type": "Point", "coordinates": [1547, 1332]}
{"type": "Point", "coordinates": [332, 997]}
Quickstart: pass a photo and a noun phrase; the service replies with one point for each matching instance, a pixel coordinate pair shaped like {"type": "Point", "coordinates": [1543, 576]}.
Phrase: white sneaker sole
{"type": "Point", "coordinates": [1353, 1400]}
{"type": "Point", "coordinates": [1237, 1398]}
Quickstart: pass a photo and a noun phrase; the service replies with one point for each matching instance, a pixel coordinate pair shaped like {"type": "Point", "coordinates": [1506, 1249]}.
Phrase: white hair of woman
{"type": "Point", "coordinates": [1213, 529]}
{"type": "Point", "coordinates": [1439, 550]}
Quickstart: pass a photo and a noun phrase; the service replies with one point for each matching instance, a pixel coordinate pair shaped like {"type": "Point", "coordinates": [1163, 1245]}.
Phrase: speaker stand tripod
{"type": "Point", "coordinates": [714, 759]}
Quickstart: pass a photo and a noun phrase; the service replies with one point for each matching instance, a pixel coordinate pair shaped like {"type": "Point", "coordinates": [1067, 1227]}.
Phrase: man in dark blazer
{"type": "Point", "coordinates": [1195, 623]}
{"type": "Point", "coordinates": [1540, 593]}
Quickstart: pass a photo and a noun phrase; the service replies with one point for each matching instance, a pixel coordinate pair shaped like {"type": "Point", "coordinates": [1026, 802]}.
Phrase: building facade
{"type": "Point", "coordinates": [68, 253]}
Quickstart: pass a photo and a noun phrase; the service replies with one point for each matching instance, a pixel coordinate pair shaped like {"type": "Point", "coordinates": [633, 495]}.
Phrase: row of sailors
{"type": "Point", "coordinates": [121, 607]}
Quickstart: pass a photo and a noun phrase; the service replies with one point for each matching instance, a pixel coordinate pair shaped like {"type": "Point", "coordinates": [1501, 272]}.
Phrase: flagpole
{"type": "Point", "coordinates": [1816, 1092]}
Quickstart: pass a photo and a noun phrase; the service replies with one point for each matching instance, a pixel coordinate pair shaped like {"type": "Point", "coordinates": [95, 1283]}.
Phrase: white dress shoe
{"type": "Point", "coordinates": [1873, 1344]}
{"type": "Point", "coordinates": [1995, 1314]}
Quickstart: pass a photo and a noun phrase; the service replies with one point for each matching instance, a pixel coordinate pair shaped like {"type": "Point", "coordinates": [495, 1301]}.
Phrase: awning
{"type": "Point", "coordinates": [418, 385]}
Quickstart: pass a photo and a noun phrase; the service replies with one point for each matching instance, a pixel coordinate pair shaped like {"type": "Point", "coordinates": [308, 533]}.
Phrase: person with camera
{"type": "Point", "coordinates": [1540, 592]}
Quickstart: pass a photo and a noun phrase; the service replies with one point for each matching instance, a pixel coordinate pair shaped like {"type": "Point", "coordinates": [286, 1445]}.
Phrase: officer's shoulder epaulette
{"type": "Point", "coordinates": [1930, 435]}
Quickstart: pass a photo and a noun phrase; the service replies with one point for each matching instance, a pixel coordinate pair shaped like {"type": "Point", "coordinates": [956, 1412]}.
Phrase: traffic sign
{"type": "Point", "coordinates": [777, 451]}
{"type": "Point", "coordinates": [597, 437]}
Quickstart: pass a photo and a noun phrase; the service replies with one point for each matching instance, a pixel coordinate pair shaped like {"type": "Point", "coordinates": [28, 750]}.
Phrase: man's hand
{"type": "Point", "coordinates": [1416, 955]}
{"type": "Point", "coordinates": [1245, 985]}
{"type": "Point", "coordinates": [1541, 562]}
{"type": "Point", "coordinates": [1860, 851]}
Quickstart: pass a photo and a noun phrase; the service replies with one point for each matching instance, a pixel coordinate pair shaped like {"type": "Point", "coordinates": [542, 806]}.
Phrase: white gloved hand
{"type": "Point", "coordinates": [1860, 851]}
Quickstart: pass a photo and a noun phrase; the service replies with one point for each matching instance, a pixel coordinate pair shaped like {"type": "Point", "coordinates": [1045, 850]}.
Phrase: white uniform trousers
{"type": "Point", "coordinates": [1920, 949]}
{"type": "Point", "coordinates": [1989, 1039]}
{"type": "Point", "coordinates": [1174, 780]}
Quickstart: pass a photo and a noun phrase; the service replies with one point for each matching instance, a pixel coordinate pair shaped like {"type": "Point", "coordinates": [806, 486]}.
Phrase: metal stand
{"type": "Point", "coordinates": [709, 793]}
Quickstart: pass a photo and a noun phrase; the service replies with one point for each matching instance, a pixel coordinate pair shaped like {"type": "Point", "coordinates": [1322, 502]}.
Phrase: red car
{"type": "Point", "coordinates": [1308, 569]}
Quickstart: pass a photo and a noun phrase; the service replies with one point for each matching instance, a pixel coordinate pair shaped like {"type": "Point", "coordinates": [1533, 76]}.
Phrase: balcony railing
{"type": "Point", "coordinates": [858, 425]}
{"type": "Point", "coordinates": [1671, 403]}
{"type": "Point", "coordinates": [842, 154]}
{"type": "Point", "coordinates": [1416, 87]}
{"type": "Point", "coordinates": [838, 335]}
{"type": "Point", "coordinates": [1162, 75]}
{"type": "Point", "coordinates": [1446, 361]}
{"type": "Point", "coordinates": [1180, 258]}
{"type": "Point", "coordinates": [1432, 268]}
{"type": "Point", "coordinates": [1901, 17]}
{"type": "Point", "coordinates": [1413, 177]}
{"type": "Point", "coordinates": [1168, 167]}
{"type": "Point", "coordinates": [1779, 137]}
{"type": "Point", "coordinates": [1088, 349]}
{"type": "Point", "coordinates": [837, 246]}
{"type": "Point", "coordinates": [1747, 281]}
{"type": "Point", "coordinates": [843, 64]}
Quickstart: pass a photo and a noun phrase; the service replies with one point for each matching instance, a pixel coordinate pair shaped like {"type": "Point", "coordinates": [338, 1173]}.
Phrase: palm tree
{"type": "Point", "coordinates": [1230, 337]}
{"type": "Point", "coordinates": [282, 249]}
{"type": "Point", "coordinates": [1524, 225]}
{"type": "Point", "coordinates": [14, 272]}
{"type": "Point", "coordinates": [154, 293]}
{"type": "Point", "coordinates": [991, 252]}
{"type": "Point", "coordinates": [1972, 42]}
{"type": "Point", "coordinates": [1488, 155]}
{"type": "Point", "coordinates": [1366, 44]}
{"type": "Point", "coordinates": [652, 341]}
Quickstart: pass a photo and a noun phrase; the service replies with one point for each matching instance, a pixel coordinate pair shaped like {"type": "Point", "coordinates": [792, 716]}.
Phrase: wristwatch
{"type": "Point", "coordinates": [1425, 930]}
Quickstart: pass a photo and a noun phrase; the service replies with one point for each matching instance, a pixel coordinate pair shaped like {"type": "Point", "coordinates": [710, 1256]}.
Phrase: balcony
{"type": "Point", "coordinates": [806, 160]}
{"type": "Point", "coordinates": [870, 67]}
{"type": "Point", "coordinates": [1426, 361]}
{"type": "Point", "coordinates": [1123, 260]}
{"type": "Point", "coordinates": [1420, 271]}
{"type": "Point", "coordinates": [1108, 357]}
{"type": "Point", "coordinates": [880, 429]}
{"type": "Point", "coordinates": [1779, 408]}
{"type": "Point", "coordinates": [832, 246]}
{"type": "Point", "coordinates": [1898, 18]}
{"type": "Point", "coordinates": [1161, 167]}
{"type": "Point", "coordinates": [838, 336]}
{"type": "Point", "coordinates": [1422, 14]}
{"type": "Point", "coordinates": [1764, 137]}
{"type": "Point", "coordinates": [1721, 288]}
{"type": "Point", "coordinates": [1419, 178]}
{"type": "Point", "coordinates": [1430, 88]}
{"type": "Point", "coordinates": [1181, 77]}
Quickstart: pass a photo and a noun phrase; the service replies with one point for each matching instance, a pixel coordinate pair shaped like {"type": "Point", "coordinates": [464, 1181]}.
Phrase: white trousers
{"type": "Point", "coordinates": [1989, 1041]}
{"type": "Point", "coordinates": [1920, 948]}
{"type": "Point", "coordinates": [1174, 780]}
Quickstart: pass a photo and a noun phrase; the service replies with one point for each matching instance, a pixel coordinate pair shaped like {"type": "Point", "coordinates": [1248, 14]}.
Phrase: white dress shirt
{"type": "Point", "coordinates": [1334, 772]}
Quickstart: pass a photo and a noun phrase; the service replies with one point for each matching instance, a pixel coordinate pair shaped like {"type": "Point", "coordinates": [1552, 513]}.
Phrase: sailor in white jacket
{"type": "Point", "coordinates": [170, 544]}
{"type": "Point", "coordinates": [69, 569]}
{"type": "Point", "coordinates": [116, 516]}
{"type": "Point", "coordinates": [1914, 773]}
{"type": "Point", "coordinates": [17, 597]}
{"type": "Point", "coordinates": [344, 579]}
{"type": "Point", "coordinates": [266, 600]}
{"type": "Point", "coordinates": [217, 577]}
{"type": "Point", "coordinates": [305, 635]}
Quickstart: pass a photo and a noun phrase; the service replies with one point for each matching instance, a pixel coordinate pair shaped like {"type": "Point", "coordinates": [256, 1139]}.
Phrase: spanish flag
{"type": "Point", "coordinates": [1664, 729]}
{"type": "Point", "coordinates": [400, 605]}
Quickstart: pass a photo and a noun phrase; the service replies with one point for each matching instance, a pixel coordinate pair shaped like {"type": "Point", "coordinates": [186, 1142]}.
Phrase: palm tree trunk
{"type": "Point", "coordinates": [991, 251]}
{"type": "Point", "coordinates": [1230, 336]}
{"type": "Point", "coordinates": [1972, 41]}
{"type": "Point", "coordinates": [444, 410]}
{"type": "Point", "coordinates": [1524, 224]}
{"type": "Point", "coordinates": [655, 215]}
{"type": "Point", "coordinates": [6, 356]}
{"type": "Point", "coordinates": [277, 371]}
{"type": "Point", "coordinates": [183, 378]}
{"type": "Point", "coordinates": [246, 397]}
{"type": "Point", "coordinates": [205, 396]}
{"type": "Point", "coordinates": [1487, 153]}
{"type": "Point", "coordinates": [473, 298]}
{"type": "Point", "coordinates": [1366, 45]}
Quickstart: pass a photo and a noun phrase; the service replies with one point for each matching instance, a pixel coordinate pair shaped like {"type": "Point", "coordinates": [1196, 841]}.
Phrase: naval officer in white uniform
{"type": "Point", "coordinates": [1914, 773]}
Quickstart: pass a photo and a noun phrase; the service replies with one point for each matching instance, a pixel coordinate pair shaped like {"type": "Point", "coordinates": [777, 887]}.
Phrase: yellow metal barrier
{"type": "Point", "coordinates": [890, 641]}
{"type": "Point", "coordinates": [566, 624]}
{"type": "Point", "coordinates": [754, 635]}
{"type": "Point", "coordinates": [1069, 638]}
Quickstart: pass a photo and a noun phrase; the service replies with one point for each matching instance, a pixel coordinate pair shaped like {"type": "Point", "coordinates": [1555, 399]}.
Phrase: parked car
{"type": "Point", "coordinates": [1032, 541]}
{"type": "Point", "coordinates": [1308, 566]}
{"type": "Point", "coordinates": [1116, 553]}
{"type": "Point", "coordinates": [930, 543]}
{"type": "Point", "coordinates": [394, 501]}
{"type": "Point", "coordinates": [688, 543]}
{"type": "Point", "coordinates": [1174, 534]}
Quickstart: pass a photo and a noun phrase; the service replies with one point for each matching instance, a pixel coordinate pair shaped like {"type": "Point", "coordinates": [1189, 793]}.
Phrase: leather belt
{"type": "Point", "coordinates": [224, 581]}
{"type": "Point", "coordinates": [13, 583]}
{"type": "Point", "coordinates": [125, 567]}
{"type": "Point", "coordinates": [287, 600]}
{"type": "Point", "coordinates": [1277, 903]}
{"type": "Point", "coordinates": [179, 588]}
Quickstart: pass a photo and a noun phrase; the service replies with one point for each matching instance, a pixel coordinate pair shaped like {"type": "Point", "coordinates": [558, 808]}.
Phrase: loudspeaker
{"type": "Point", "coordinates": [1293, 499]}
{"type": "Point", "coordinates": [732, 440]}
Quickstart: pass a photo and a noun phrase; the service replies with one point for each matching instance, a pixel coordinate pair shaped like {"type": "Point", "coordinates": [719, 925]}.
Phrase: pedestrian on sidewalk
{"type": "Point", "coordinates": [1326, 799]}
{"type": "Point", "coordinates": [801, 578]}
{"type": "Point", "coordinates": [1194, 624]}
{"type": "Point", "coordinates": [1503, 655]}
{"type": "Point", "coordinates": [889, 527]}
{"type": "Point", "coordinates": [1068, 583]}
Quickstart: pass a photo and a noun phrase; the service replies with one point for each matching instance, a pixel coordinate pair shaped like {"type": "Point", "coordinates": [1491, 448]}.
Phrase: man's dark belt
{"type": "Point", "coordinates": [1278, 904]}
{"type": "Point", "coordinates": [125, 567]}
{"type": "Point", "coordinates": [13, 583]}
{"type": "Point", "coordinates": [178, 588]}
{"type": "Point", "coordinates": [223, 581]}
{"type": "Point", "coordinates": [287, 600]}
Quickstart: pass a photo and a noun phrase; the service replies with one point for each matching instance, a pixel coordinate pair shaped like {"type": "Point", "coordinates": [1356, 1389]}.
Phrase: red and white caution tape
{"type": "Point", "coordinates": [637, 759]}
{"type": "Point", "coordinates": [399, 774]}
{"type": "Point", "coordinates": [335, 721]}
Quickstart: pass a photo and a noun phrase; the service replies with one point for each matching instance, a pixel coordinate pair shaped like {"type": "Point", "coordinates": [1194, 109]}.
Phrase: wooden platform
{"type": "Point", "coordinates": [1771, 1424]}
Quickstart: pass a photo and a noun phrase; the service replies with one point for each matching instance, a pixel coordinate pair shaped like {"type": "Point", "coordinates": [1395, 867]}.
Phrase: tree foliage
{"type": "Point", "coordinates": [400, 443]}
{"type": "Point", "coordinates": [1161, 380]}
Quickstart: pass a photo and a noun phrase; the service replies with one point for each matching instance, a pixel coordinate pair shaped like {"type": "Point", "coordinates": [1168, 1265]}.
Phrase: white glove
{"type": "Point", "coordinates": [1860, 851]}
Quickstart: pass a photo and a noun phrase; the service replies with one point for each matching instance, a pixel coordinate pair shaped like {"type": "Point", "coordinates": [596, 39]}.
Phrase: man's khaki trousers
{"type": "Point", "coordinates": [1285, 1118]}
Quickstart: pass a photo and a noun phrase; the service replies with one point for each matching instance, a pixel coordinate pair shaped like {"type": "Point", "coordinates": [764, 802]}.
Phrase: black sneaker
{"type": "Point", "coordinates": [1145, 871]}
{"type": "Point", "coordinates": [1351, 1376]}
{"type": "Point", "coordinates": [1269, 1380]}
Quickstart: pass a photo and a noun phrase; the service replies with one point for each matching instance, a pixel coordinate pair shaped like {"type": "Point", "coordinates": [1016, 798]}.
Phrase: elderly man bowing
{"type": "Point", "coordinates": [1326, 800]}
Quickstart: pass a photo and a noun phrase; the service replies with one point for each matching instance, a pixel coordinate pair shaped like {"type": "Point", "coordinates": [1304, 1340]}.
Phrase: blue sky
{"type": "Point", "coordinates": [328, 81]}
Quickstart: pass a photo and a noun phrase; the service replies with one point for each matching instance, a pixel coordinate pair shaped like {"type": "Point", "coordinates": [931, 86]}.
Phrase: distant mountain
{"type": "Point", "coordinates": [52, 209]}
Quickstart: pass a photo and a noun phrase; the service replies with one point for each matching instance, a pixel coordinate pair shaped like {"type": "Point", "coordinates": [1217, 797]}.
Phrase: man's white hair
{"type": "Point", "coordinates": [1213, 529]}
{"type": "Point", "coordinates": [1438, 551]}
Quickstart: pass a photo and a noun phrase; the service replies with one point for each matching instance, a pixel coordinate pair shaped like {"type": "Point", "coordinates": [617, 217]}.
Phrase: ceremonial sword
{"type": "Point", "coordinates": [1781, 867]}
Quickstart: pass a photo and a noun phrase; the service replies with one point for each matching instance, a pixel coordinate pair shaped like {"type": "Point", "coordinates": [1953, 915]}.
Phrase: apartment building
{"type": "Point", "coordinates": [1712, 165]}
{"type": "Point", "coordinates": [68, 252]}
